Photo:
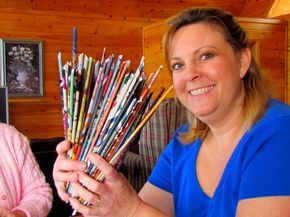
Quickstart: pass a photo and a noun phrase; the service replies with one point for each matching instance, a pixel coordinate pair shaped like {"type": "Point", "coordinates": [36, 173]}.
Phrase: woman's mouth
{"type": "Point", "coordinates": [201, 90]}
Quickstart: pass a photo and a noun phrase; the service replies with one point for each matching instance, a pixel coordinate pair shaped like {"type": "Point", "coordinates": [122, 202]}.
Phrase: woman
{"type": "Point", "coordinates": [231, 160]}
{"type": "Point", "coordinates": [23, 190]}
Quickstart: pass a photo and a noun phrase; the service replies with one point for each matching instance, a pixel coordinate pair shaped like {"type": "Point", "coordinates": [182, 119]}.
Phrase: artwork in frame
{"type": "Point", "coordinates": [21, 67]}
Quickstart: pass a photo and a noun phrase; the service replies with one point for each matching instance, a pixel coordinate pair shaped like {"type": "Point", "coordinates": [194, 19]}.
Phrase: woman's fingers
{"type": "Point", "coordinates": [68, 176]}
{"type": "Point", "coordinates": [63, 147]}
{"type": "Point", "coordinates": [65, 170]}
{"type": "Point", "coordinates": [101, 198]}
{"type": "Point", "coordinates": [107, 169]}
{"type": "Point", "coordinates": [85, 210]}
{"type": "Point", "coordinates": [84, 193]}
{"type": "Point", "coordinates": [61, 190]}
{"type": "Point", "coordinates": [91, 183]}
{"type": "Point", "coordinates": [64, 164]}
{"type": "Point", "coordinates": [98, 207]}
{"type": "Point", "coordinates": [104, 198]}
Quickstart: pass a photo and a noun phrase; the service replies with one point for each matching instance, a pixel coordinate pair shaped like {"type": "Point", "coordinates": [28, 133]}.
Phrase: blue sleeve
{"type": "Point", "coordinates": [268, 171]}
{"type": "Point", "coordinates": [161, 174]}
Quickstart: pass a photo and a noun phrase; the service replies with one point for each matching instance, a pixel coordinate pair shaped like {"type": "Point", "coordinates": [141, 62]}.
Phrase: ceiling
{"type": "Point", "coordinates": [153, 9]}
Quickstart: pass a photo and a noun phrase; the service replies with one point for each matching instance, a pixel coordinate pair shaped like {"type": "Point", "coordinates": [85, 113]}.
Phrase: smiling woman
{"type": "Point", "coordinates": [216, 78]}
{"type": "Point", "coordinates": [233, 156]}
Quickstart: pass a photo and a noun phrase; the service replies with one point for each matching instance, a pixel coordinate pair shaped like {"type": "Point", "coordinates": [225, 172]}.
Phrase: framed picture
{"type": "Point", "coordinates": [21, 67]}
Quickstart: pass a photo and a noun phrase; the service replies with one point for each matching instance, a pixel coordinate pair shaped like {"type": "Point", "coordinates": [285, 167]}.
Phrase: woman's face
{"type": "Point", "coordinates": [207, 74]}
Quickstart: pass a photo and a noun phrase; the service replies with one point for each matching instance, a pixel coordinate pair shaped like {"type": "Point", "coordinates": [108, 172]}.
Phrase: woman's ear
{"type": "Point", "coordinates": [245, 62]}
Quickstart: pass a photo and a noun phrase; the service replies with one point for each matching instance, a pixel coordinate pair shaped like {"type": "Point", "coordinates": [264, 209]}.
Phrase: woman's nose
{"type": "Point", "coordinates": [192, 72]}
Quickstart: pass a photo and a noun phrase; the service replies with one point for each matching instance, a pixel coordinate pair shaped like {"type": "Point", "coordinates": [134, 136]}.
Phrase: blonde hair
{"type": "Point", "coordinates": [256, 85]}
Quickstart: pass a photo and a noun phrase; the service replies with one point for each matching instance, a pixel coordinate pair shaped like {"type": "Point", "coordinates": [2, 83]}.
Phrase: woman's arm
{"type": "Point", "coordinates": [157, 197]}
{"type": "Point", "coordinates": [264, 207]}
{"type": "Point", "coordinates": [265, 186]}
{"type": "Point", "coordinates": [36, 195]}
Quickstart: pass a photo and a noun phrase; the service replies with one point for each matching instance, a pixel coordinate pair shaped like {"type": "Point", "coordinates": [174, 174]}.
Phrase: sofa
{"type": "Point", "coordinates": [45, 154]}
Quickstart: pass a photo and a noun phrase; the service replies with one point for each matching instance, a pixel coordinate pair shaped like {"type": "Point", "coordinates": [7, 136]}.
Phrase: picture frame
{"type": "Point", "coordinates": [4, 105]}
{"type": "Point", "coordinates": [22, 67]}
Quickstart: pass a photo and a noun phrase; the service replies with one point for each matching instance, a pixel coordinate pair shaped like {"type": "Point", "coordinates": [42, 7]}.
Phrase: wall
{"type": "Point", "coordinates": [40, 117]}
{"type": "Point", "coordinates": [115, 24]}
{"type": "Point", "coordinates": [288, 63]}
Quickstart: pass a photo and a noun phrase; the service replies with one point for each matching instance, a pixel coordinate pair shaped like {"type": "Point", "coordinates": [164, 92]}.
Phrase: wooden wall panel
{"type": "Point", "coordinates": [256, 8]}
{"type": "Point", "coordinates": [115, 24]}
{"type": "Point", "coordinates": [288, 64]}
{"type": "Point", "coordinates": [41, 117]}
{"type": "Point", "coordinates": [125, 8]}
{"type": "Point", "coordinates": [270, 38]}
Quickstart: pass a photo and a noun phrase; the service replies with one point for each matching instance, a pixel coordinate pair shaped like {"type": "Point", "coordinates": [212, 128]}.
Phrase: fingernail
{"type": "Point", "coordinates": [71, 202]}
{"type": "Point", "coordinates": [82, 166]}
{"type": "Point", "coordinates": [74, 177]}
{"type": "Point", "coordinates": [73, 205]}
{"type": "Point", "coordinates": [91, 156]}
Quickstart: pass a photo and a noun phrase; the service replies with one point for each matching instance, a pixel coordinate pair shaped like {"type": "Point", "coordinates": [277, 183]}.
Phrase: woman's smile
{"type": "Point", "coordinates": [201, 90]}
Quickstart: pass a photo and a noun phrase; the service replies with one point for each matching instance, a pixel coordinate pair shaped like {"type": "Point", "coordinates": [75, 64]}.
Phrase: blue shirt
{"type": "Point", "coordinates": [259, 166]}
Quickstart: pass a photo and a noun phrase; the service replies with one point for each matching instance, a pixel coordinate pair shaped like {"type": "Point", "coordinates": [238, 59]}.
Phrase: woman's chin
{"type": "Point", "coordinates": [203, 113]}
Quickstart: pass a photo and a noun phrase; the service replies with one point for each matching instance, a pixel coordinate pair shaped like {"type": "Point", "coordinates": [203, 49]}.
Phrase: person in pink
{"type": "Point", "coordinates": [23, 190]}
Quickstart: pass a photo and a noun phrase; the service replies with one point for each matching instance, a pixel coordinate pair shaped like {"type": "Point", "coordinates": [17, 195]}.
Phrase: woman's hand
{"type": "Point", "coordinates": [65, 170]}
{"type": "Point", "coordinates": [112, 197]}
{"type": "Point", "coordinates": [4, 212]}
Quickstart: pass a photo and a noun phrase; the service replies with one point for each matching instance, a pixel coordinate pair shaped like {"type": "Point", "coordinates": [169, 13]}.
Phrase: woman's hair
{"type": "Point", "coordinates": [256, 86]}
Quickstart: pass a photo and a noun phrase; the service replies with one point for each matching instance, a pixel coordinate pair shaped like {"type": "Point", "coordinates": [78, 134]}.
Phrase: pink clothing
{"type": "Point", "coordinates": [22, 184]}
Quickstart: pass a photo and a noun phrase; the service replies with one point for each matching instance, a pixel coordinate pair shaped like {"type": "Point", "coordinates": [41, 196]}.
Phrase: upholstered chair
{"type": "Point", "coordinates": [154, 137]}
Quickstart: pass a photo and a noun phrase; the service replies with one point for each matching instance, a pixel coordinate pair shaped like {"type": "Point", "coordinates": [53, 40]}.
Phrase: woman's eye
{"type": "Point", "coordinates": [207, 56]}
{"type": "Point", "coordinates": [176, 66]}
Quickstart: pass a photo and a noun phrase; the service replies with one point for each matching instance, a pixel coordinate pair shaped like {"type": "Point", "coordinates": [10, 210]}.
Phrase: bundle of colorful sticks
{"type": "Point", "coordinates": [104, 105]}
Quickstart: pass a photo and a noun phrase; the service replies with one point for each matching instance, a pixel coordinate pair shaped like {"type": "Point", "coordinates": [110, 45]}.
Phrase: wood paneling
{"type": "Point", "coordinates": [125, 8]}
{"type": "Point", "coordinates": [279, 8]}
{"type": "Point", "coordinates": [41, 117]}
{"type": "Point", "coordinates": [256, 8]}
{"type": "Point", "coordinates": [288, 63]}
{"type": "Point", "coordinates": [115, 24]}
{"type": "Point", "coordinates": [268, 35]}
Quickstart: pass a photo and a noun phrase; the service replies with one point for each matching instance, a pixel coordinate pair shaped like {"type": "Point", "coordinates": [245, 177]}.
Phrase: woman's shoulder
{"type": "Point", "coordinates": [272, 128]}
{"type": "Point", "coordinates": [276, 110]}
{"type": "Point", "coordinates": [10, 136]}
{"type": "Point", "coordinates": [8, 130]}
{"type": "Point", "coordinates": [277, 115]}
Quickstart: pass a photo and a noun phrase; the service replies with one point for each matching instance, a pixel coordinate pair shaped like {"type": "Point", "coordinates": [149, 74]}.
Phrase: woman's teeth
{"type": "Point", "coordinates": [201, 90]}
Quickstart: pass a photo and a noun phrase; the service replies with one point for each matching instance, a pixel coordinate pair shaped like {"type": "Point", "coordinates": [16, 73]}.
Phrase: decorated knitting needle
{"type": "Point", "coordinates": [74, 47]}
{"type": "Point", "coordinates": [115, 158]}
{"type": "Point", "coordinates": [63, 88]}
